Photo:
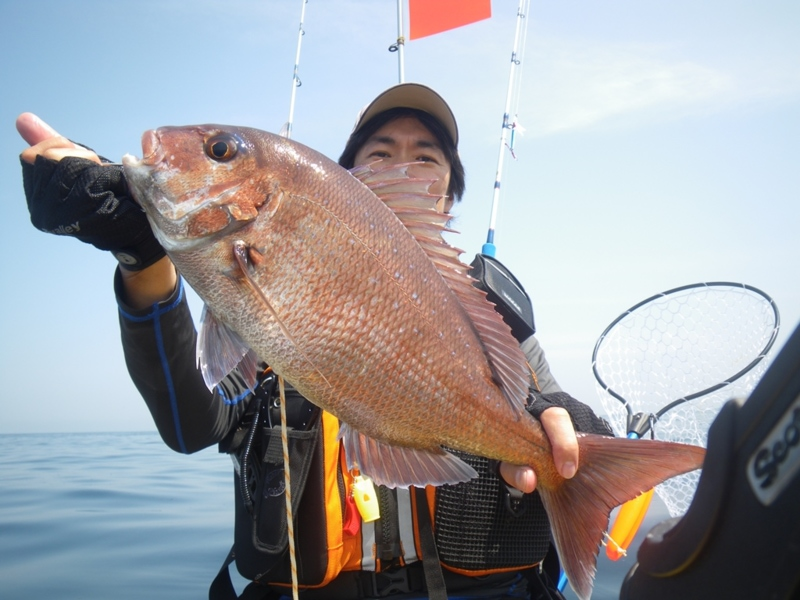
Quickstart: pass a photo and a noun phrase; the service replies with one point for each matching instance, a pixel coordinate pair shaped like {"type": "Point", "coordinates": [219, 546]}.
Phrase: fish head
{"type": "Point", "coordinates": [197, 183]}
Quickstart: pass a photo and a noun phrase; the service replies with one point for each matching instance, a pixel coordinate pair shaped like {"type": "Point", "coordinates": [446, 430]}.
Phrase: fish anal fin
{"type": "Point", "coordinates": [220, 350]}
{"type": "Point", "coordinates": [611, 472]}
{"type": "Point", "coordinates": [396, 466]}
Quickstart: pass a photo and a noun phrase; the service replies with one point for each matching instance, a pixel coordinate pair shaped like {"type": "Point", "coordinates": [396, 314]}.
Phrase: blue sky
{"type": "Point", "coordinates": [660, 149]}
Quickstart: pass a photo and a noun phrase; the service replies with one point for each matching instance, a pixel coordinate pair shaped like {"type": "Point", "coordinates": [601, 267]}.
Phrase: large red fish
{"type": "Point", "coordinates": [344, 285]}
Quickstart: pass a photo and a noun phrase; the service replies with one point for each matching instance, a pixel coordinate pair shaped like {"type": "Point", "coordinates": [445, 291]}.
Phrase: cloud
{"type": "Point", "coordinates": [578, 85]}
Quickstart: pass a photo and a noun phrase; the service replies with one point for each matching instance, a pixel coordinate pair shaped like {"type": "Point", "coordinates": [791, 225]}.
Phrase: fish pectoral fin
{"type": "Point", "coordinates": [220, 350]}
{"type": "Point", "coordinates": [397, 466]}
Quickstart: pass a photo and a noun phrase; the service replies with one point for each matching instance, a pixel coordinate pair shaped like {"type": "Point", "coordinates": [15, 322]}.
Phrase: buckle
{"type": "Point", "coordinates": [391, 582]}
{"type": "Point", "coordinates": [514, 501]}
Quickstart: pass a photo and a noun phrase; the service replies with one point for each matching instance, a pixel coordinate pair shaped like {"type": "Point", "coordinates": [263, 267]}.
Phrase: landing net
{"type": "Point", "coordinates": [677, 357]}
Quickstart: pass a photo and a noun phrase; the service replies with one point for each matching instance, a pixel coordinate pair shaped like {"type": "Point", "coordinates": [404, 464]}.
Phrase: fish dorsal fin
{"type": "Point", "coordinates": [396, 466]}
{"type": "Point", "coordinates": [220, 350]}
{"type": "Point", "coordinates": [408, 197]}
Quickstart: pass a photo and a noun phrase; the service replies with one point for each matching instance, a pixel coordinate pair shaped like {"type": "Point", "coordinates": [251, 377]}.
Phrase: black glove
{"type": "Point", "coordinates": [583, 417]}
{"type": "Point", "coordinates": [79, 198]}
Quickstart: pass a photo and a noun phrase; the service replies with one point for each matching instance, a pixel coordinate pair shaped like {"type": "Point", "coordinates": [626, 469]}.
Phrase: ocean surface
{"type": "Point", "coordinates": [120, 515]}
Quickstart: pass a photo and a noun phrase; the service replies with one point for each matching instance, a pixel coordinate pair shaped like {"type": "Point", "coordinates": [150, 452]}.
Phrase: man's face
{"type": "Point", "coordinates": [406, 140]}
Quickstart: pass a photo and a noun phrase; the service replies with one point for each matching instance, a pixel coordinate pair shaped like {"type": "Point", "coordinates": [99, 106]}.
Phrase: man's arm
{"type": "Point", "coordinates": [159, 343]}
{"type": "Point", "coordinates": [67, 182]}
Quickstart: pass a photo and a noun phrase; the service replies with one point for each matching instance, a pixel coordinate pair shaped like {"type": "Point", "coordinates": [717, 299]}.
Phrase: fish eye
{"type": "Point", "coordinates": [222, 147]}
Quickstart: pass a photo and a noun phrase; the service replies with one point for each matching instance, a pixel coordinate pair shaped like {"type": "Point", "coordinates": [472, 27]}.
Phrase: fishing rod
{"type": "Point", "coordinates": [296, 83]}
{"type": "Point", "coordinates": [520, 34]}
{"type": "Point", "coordinates": [399, 45]}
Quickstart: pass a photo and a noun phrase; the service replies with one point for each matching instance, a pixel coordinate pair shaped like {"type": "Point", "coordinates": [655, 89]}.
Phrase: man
{"type": "Point", "coordinates": [491, 553]}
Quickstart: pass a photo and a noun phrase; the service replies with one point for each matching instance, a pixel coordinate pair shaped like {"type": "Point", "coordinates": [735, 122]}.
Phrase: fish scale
{"type": "Point", "coordinates": [358, 326]}
{"type": "Point", "coordinates": [344, 285]}
{"type": "Point", "coordinates": [345, 331]}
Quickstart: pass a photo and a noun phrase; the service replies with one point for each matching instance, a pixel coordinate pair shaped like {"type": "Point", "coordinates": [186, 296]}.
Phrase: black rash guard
{"type": "Point", "coordinates": [159, 346]}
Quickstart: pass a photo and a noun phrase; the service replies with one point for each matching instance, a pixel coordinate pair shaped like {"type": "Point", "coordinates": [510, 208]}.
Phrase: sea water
{"type": "Point", "coordinates": [120, 515]}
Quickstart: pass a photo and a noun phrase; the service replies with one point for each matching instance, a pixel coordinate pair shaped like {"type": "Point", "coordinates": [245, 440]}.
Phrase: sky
{"type": "Point", "coordinates": [660, 148]}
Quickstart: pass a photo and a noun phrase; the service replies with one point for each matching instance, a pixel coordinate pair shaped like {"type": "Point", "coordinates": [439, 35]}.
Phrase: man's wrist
{"type": "Point", "coordinates": [148, 286]}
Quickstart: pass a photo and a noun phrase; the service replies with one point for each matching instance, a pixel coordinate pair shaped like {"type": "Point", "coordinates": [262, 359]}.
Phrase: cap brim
{"type": "Point", "coordinates": [411, 95]}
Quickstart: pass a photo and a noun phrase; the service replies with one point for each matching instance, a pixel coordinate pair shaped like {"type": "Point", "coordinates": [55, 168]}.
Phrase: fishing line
{"type": "Point", "coordinates": [288, 491]}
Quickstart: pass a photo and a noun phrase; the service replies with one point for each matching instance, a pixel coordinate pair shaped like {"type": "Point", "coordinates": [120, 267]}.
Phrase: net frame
{"type": "Point", "coordinates": [669, 362]}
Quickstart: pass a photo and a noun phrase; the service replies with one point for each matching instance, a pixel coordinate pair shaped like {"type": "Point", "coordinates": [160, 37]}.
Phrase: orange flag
{"type": "Point", "coordinates": [428, 17]}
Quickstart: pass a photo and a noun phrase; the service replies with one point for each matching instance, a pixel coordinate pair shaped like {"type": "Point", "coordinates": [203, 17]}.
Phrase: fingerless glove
{"type": "Point", "coordinates": [77, 197]}
{"type": "Point", "coordinates": [583, 417]}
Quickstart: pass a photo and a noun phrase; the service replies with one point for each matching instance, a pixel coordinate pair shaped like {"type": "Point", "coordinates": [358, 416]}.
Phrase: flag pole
{"type": "Point", "coordinates": [296, 83]}
{"type": "Point", "coordinates": [489, 248]}
{"type": "Point", "coordinates": [399, 45]}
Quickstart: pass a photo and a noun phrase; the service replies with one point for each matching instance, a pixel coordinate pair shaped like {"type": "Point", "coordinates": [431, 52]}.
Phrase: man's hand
{"type": "Point", "coordinates": [72, 192]}
{"type": "Point", "coordinates": [558, 426]}
{"type": "Point", "coordinates": [46, 141]}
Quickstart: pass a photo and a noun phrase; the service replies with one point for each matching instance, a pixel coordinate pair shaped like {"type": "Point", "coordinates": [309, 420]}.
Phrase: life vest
{"type": "Point", "coordinates": [478, 529]}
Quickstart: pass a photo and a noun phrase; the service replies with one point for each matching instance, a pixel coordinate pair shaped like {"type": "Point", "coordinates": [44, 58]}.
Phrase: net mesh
{"type": "Point", "coordinates": [680, 344]}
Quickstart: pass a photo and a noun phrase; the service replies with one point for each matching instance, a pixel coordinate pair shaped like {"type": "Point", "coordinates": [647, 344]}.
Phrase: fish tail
{"type": "Point", "coordinates": [611, 472]}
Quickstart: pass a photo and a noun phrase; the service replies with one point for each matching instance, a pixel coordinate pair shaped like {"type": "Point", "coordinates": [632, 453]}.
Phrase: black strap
{"type": "Point", "coordinates": [222, 586]}
{"type": "Point", "coordinates": [543, 577]}
{"type": "Point", "coordinates": [434, 578]}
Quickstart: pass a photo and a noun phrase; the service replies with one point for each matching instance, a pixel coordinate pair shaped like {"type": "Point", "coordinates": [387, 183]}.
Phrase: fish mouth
{"type": "Point", "coordinates": [139, 172]}
{"type": "Point", "coordinates": [152, 150]}
{"type": "Point", "coordinates": [181, 207]}
{"type": "Point", "coordinates": [138, 176]}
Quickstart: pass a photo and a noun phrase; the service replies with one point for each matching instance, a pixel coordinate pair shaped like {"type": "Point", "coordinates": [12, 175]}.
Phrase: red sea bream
{"type": "Point", "coordinates": [343, 284]}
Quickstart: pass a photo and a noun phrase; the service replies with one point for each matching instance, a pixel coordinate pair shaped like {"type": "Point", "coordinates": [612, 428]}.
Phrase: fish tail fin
{"type": "Point", "coordinates": [611, 472]}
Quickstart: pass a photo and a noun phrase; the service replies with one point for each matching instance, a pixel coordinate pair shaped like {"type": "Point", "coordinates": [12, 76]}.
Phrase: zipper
{"type": "Point", "coordinates": [387, 529]}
